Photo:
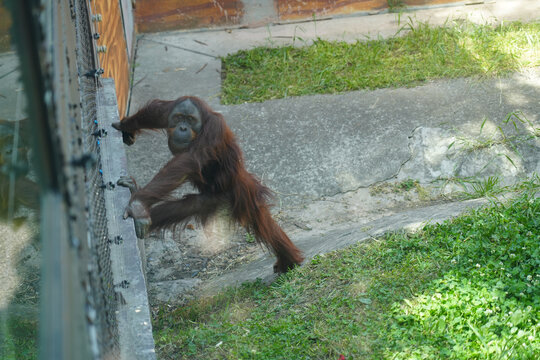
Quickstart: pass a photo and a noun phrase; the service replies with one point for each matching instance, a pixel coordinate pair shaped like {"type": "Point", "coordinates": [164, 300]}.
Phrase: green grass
{"type": "Point", "coordinates": [20, 342]}
{"type": "Point", "coordinates": [423, 53]}
{"type": "Point", "coordinates": [465, 289]}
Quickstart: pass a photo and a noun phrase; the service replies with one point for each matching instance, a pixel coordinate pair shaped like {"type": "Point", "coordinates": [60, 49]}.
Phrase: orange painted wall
{"type": "Point", "coordinates": [5, 24]}
{"type": "Point", "coordinates": [115, 60]}
{"type": "Point", "coordinates": [160, 15]}
{"type": "Point", "coordinates": [428, 2]}
{"type": "Point", "coordinates": [306, 9]}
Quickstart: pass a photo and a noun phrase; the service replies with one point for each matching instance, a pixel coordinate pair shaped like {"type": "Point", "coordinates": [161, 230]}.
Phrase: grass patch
{"type": "Point", "coordinates": [423, 53]}
{"type": "Point", "coordinates": [20, 342]}
{"type": "Point", "coordinates": [466, 289]}
{"type": "Point", "coordinates": [396, 187]}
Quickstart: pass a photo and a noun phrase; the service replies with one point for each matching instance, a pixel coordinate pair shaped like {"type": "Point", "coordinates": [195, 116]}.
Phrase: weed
{"type": "Point", "coordinates": [503, 142]}
{"type": "Point", "coordinates": [489, 187]}
{"type": "Point", "coordinates": [500, 137]}
{"type": "Point", "coordinates": [396, 187]}
{"type": "Point", "coordinates": [250, 238]}
{"type": "Point", "coordinates": [408, 184]}
{"type": "Point", "coordinates": [423, 193]}
{"type": "Point", "coordinates": [395, 5]}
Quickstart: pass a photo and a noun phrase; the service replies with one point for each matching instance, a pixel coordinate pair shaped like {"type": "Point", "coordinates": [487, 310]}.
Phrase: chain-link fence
{"type": "Point", "coordinates": [103, 297]}
{"type": "Point", "coordinates": [87, 311]}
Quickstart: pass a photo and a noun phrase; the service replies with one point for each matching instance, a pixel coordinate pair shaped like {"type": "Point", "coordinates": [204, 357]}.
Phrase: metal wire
{"type": "Point", "coordinates": [101, 297]}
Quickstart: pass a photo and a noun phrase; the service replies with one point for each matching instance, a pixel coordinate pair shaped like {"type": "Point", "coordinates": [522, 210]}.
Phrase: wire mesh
{"type": "Point", "coordinates": [84, 313]}
{"type": "Point", "coordinates": [59, 68]}
{"type": "Point", "coordinates": [102, 296]}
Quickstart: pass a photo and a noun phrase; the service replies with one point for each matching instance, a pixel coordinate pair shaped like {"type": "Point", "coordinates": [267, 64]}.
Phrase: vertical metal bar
{"type": "Point", "coordinates": [53, 306]}
{"type": "Point", "coordinates": [28, 35]}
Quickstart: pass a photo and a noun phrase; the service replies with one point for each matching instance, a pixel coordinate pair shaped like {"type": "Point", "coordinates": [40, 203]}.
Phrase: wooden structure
{"type": "Point", "coordinates": [114, 24]}
{"type": "Point", "coordinates": [161, 15]}
{"type": "Point", "coordinates": [114, 50]}
{"type": "Point", "coordinates": [5, 25]}
{"type": "Point", "coordinates": [186, 14]}
{"type": "Point", "coordinates": [299, 9]}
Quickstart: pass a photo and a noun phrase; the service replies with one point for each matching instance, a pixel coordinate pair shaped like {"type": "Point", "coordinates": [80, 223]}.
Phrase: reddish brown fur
{"type": "Point", "coordinates": [214, 164]}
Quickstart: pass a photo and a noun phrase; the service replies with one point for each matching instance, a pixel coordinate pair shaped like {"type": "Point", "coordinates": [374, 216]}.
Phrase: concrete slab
{"type": "Point", "coordinates": [409, 220]}
{"type": "Point", "coordinates": [174, 71]}
{"type": "Point", "coordinates": [324, 154]}
{"type": "Point", "coordinates": [323, 145]}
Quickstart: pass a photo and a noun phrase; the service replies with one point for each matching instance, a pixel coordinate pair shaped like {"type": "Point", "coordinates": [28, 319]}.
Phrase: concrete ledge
{"type": "Point", "coordinates": [339, 238]}
{"type": "Point", "coordinates": [133, 313]}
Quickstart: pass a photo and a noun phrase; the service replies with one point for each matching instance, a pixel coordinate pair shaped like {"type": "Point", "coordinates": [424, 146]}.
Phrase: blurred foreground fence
{"type": "Point", "coordinates": [93, 294]}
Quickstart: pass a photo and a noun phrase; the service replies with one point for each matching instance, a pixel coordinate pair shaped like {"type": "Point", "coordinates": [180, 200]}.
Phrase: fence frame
{"type": "Point", "coordinates": [73, 324]}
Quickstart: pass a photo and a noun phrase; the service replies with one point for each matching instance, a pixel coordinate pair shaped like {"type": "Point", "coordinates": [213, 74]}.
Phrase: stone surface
{"type": "Point", "coordinates": [133, 313]}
